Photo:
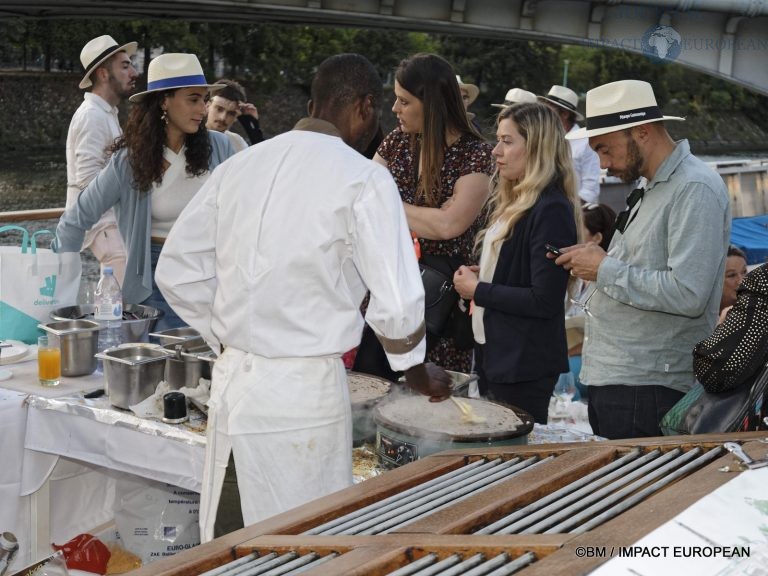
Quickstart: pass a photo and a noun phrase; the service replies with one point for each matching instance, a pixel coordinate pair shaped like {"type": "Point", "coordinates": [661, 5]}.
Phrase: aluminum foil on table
{"type": "Point", "coordinates": [191, 432]}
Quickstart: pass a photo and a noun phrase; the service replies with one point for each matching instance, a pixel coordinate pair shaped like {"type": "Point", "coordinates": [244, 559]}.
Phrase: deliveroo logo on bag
{"type": "Point", "coordinates": [48, 289]}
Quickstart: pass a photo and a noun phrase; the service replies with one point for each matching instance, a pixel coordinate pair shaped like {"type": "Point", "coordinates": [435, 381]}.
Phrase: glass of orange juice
{"type": "Point", "coordinates": [48, 360]}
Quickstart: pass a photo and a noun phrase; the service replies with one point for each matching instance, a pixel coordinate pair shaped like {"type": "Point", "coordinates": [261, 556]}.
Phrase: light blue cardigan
{"type": "Point", "coordinates": [114, 187]}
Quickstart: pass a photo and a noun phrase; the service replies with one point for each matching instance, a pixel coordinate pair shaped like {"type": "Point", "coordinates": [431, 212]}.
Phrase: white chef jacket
{"type": "Point", "coordinates": [272, 259]}
{"type": "Point", "coordinates": [586, 163]}
{"type": "Point", "coordinates": [92, 130]}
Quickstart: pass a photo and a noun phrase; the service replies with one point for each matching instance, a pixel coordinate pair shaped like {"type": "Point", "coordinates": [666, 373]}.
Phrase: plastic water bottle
{"type": "Point", "coordinates": [108, 309]}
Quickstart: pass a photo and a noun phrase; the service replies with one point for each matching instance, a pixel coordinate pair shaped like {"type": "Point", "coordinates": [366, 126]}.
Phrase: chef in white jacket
{"type": "Point", "coordinates": [271, 261]}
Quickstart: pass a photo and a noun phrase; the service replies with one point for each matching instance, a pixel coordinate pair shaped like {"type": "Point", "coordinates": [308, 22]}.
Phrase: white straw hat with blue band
{"type": "Point", "coordinates": [172, 71]}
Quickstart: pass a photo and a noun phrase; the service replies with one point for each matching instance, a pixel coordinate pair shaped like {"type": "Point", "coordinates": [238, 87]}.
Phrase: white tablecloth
{"type": "Point", "coordinates": [79, 446]}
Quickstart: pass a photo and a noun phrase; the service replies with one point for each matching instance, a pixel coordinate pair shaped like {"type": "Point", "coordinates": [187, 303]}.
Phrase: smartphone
{"type": "Point", "coordinates": [552, 249]}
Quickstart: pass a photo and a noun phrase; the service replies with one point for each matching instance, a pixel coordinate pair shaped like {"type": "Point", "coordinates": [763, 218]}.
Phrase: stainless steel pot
{"type": "Point", "coordinates": [132, 373]}
{"type": "Point", "coordinates": [190, 360]}
{"type": "Point", "coordinates": [138, 320]}
{"type": "Point", "coordinates": [175, 335]}
{"type": "Point", "coordinates": [79, 341]}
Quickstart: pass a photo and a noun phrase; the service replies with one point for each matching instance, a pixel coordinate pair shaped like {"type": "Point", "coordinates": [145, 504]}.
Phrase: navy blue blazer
{"type": "Point", "coordinates": [525, 303]}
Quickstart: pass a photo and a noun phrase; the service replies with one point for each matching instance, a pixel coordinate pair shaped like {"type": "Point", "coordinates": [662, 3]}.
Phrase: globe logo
{"type": "Point", "coordinates": [662, 43]}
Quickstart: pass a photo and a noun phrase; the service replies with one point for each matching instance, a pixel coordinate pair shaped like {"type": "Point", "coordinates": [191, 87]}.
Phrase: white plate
{"type": "Point", "coordinates": [15, 352]}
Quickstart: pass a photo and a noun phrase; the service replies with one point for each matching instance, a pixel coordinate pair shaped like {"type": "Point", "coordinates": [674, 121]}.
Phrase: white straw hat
{"type": "Point", "coordinates": [171, 71]}
{"type": "Point", "coordinates": [97, 51]}
{"type": "Point", "coordinates": [516, 96]}
{"type": "Point", "coordinates": [617, 106]}
{"type": "Point", "coordinates": [472, 91]}
{"type": "Point", "coordinates": [564, 98]}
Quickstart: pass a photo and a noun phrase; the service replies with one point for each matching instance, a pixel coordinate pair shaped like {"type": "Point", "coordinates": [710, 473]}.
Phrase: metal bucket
{"type": "Point", "coordinates": [175, 335]}
{"type": "Point", "coordinates": [138, 320]}
{"type": "Point", "coordinates": [365, 391]}
{"type": "Point", "coordinates": [132, 373]}
{"type": "Point", "coordinates": [409, 427]}
{"type": "Point", "coordinates": [79, 341]}
{"type": "Point", "coordinates": [191, 360]}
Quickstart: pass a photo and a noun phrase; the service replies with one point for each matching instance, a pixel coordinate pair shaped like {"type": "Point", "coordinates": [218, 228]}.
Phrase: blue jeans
{"type": "Point", "coordinates": [617, 412]}
{"type": "Point", "coordinates": [156, 300]}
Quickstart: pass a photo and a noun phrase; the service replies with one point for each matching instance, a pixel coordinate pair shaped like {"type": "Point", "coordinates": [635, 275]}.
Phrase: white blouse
{"type": "Point", "coordinates": [173, 194]}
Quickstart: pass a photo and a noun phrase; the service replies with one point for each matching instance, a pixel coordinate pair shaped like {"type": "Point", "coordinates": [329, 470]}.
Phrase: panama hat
{"type": "Point", "coordinates": [171, 71]}
{"type": "Point", "coordinates": [564, 98]}
{"type": "Point", "coordinates": [97, 51]}
{"type": "Point", "coordinates": [472, 91]}
{"type": "Point", "coordinates": [617, 106]}
{"type": "Point", "coordinates": [516, 96]}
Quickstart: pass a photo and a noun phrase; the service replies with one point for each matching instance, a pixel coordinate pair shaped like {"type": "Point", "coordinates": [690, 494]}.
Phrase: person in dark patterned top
{"type": "Point", "coordinates": [442, 167]}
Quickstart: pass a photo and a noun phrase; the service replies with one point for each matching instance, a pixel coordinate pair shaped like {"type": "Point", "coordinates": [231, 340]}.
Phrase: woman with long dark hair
{"type": "Point", "coordinates": [162, 159]}
{"type": "Point", "coordinates": [442, 167]}
{"type": "Point", "coordinates": [518, 319]}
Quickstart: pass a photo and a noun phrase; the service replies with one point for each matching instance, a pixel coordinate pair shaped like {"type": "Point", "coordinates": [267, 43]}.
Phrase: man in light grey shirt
{"type": "Point", "coordinates": [656, 292]}
{"type": "Point", "coordinates": [92, 130]}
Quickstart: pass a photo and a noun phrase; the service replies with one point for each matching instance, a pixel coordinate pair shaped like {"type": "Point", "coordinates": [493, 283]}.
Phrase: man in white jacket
{"type": "Point", "coordinates": [270, 261]}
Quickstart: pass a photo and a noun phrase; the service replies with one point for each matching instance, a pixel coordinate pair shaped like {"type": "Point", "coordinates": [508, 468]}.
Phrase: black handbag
{"type": "Point", "coordinates": [440, 297]}
{"type": "Point", "coordinates": [702, 412]}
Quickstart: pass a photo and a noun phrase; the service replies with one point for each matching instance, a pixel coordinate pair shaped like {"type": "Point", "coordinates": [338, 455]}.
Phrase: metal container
{"type": "Point", "coordinates": [365, 391]}
{"type": "Point", "coordinates": [190, 360]}
{"type": "Point", "coordinates": [138, 320]}
{"type": "Point", "coordinates": [79, 342]}
{"type": "Point", "coordinates": [175, 335]}
{"type": "Point", "coordinates": [132, 373]}
{"type": "Point", "coordinates": [409, 427]}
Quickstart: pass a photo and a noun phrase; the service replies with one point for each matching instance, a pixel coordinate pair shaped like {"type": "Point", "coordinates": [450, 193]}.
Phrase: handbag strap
{"type": "Point", "coordinates": [24, 236]}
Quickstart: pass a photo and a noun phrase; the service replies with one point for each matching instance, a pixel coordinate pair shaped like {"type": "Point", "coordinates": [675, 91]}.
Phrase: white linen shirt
{"type": "Point", "coordinates": [93, 128]}
{"type": "Point", "coordinates": [586, 163]}
{"type": "Point", "coordinates": [275, 253]}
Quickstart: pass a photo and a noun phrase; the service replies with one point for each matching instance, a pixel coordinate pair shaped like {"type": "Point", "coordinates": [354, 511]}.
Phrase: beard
{"type": "Point", "coordinates": [635, 162]}
{"type": "Point", "coordinates": [121, 91]}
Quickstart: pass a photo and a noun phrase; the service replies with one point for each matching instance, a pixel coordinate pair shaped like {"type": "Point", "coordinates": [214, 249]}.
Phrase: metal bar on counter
{"type": "Point", "coordinates": [234, 564]}
{"type": "Point", "coordinates": [523, 467]}
{"type": "Point", "coordinates": [620, 494]}
{"type": "Point", "coordinates": [515, 565]}
{"type": "Point", "coordinates": [469, 564]}
{"type": "Point", "coordinates": [414, 567]}
{"type": "Point", "coordinates": [495, 563]}
{"type": "Point", "coordinates": [320, 560]}
{"type": "Point", "coordinates": [435, 483]}
{"type": "Point", "coordinates": [564, 491]}
{"type": "Point", "coordinates": [288, 568]}
{"type": "Point", "coordinates": [258, 570]}
{"type": "Point", "coordinates": [382, 510]}
{"type": "Point", "coordinates": [394, 519]}
{"type": "Point", "coordinates": [588, 499]}
{"type": "Point", "coordinates": [659, 484]}
{"type": "Point", "coordinates": [440, 567]}
{"type": "Point", "coordinates": [521, 519]}
{"type": "Point", "coordinates": [241, 569]}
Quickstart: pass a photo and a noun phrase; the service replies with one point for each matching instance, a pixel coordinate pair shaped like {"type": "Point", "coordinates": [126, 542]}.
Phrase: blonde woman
{"type": "Point", "coordinates": [518, 319]}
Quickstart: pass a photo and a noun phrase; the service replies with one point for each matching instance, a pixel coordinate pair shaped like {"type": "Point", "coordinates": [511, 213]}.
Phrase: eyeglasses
{"type": "Point", "coordinates": [584, 304]}
{"type": "Point", "coordinates": [623, 220]}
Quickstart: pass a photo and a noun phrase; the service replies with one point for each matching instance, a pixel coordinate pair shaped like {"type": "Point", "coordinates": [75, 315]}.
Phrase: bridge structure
{"type": "Point", "coordinates": [723, 38]}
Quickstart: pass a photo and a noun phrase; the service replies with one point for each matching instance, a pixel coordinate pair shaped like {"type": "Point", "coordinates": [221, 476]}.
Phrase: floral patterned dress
{"type": "Point", "coordinates": [468, 155]}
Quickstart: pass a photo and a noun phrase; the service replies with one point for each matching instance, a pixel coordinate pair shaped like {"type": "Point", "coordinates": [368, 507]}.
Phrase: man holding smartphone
{"type": "Point", "coordinates": [657, 289]}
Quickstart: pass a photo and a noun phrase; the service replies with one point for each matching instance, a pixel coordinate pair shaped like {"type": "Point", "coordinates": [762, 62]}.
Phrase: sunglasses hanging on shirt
{"type": "Point", "coordinates": [623, 220]}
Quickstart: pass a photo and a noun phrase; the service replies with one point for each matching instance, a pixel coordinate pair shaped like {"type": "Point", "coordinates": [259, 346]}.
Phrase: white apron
{"type": "Point", "coordinates": [289, 423]}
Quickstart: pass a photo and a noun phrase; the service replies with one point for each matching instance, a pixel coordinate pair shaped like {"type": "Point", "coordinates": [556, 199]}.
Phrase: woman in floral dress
{"type": "Point", "coordinates": [442, 167]}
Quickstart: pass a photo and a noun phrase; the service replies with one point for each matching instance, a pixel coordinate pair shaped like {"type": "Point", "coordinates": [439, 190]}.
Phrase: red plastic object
{"type": "Point", "coordinates": [85, 552]}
